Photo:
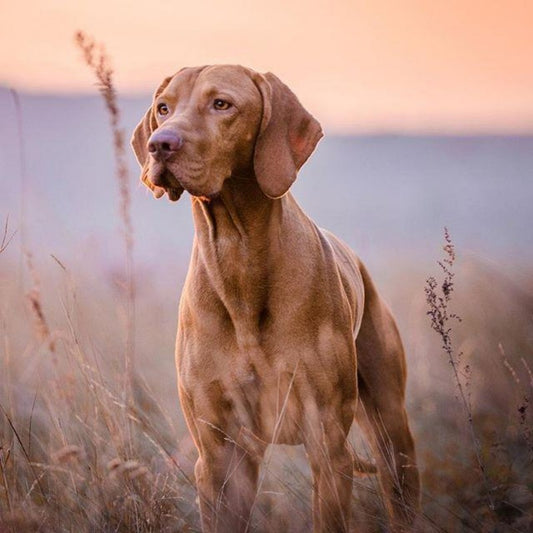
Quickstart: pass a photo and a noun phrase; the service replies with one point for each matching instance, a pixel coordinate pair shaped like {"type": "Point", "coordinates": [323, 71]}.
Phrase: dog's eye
{"type": "Point", "coordinates": [221, 105]}
{"type": "Point", "coordinates": [162, 109]}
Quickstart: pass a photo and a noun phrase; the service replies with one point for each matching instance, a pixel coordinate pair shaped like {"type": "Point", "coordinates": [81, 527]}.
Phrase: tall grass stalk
{"type": "Point", "coordinates": [33, 297]}
{"type": "Point", "coordinates": [522, 408]}
{"type": "Point", "coordinates": [23, 181]}
{"type": "Point", "coordinates": [6, 238]}
{"type": "Point", "coordinates": [438, 297]}
{"type": "Point", "coordinates": [97, 60]}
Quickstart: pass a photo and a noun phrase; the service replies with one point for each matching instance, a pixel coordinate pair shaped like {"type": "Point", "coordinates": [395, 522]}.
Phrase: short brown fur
{"type": "Point", "coordinates": [282, 336]}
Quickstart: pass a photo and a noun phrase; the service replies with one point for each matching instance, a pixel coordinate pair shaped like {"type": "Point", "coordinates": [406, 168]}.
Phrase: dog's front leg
{"type": "Point", "coordinates": [226, 477]}
{"type": "Point", "coordinates": [332, 466]}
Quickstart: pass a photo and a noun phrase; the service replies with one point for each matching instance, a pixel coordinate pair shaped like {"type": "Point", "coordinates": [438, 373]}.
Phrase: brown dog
{"type": "Point", "coordinates": [282, 337]}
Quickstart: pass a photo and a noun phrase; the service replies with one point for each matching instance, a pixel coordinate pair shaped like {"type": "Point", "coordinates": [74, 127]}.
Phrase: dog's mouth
{"type": "Point", "coordinates": [173, 180]}
{"type": "Point", "coordinates": [163, 180]}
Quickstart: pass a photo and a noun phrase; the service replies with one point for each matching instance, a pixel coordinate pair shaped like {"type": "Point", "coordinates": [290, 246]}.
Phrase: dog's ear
{"type": "Point", "coordinates": [288, 135]}
{"type": "Point", "coordinates": [139, 141]}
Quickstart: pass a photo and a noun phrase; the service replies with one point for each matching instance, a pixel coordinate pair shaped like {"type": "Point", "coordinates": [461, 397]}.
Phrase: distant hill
{"type": "Point", "coordinates": [389, 196]}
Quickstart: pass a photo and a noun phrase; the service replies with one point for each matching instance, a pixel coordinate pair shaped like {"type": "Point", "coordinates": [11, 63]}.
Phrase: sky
{"type": "Point", "coordinates": [449, 66]}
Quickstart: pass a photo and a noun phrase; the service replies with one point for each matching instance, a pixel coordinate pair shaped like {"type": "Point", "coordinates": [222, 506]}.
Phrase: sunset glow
{"type": "Point", "coordinates": [413, 65]}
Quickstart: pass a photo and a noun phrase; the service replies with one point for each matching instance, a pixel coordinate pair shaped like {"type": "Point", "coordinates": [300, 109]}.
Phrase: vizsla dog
{"type": "Point", "coordinates": [282, 336]}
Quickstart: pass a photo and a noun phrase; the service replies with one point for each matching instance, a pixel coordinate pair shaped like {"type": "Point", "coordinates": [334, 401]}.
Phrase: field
{"type": "Point", "coordinates": [77, 455]}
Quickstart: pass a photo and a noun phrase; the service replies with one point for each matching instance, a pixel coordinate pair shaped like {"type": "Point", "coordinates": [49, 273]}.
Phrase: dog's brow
{"type": "Point", "coordinates": [166, 96]}
{"type": "Point", "coordinates": [222, 91]}
{"type": "Point", "coordinates": [170, 93]}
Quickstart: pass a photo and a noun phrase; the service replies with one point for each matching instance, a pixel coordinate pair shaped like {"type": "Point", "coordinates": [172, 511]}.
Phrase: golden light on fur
{"type": "Point", "coordinates": [282, 336]}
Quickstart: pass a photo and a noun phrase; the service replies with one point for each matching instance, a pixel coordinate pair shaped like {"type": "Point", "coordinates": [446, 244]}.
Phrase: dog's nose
{"type": "Point", "coordinates": [164, 144]}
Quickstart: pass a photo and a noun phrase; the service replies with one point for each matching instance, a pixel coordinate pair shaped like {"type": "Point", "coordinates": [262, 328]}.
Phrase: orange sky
{"type": "Point", "coordinates": [405, 65]}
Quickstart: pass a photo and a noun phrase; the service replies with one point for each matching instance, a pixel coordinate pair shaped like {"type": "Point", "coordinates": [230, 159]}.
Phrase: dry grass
{"type": "Point", "coordinates": [478, 465]}
{"type": "Point", "coordinates": [68, 463]}
{"type": "Point", "coordinates": [97, 60]}
{"type": "Point", "coordinates": [438, 297]}
{"type": "Point", "coordinates": [6, 237]}
{"type": "Point", "coordinates": [67, 460]}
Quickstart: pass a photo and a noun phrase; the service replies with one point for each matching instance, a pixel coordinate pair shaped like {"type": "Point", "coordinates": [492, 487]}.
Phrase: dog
{"type": "Point", "coordinates": [282, 336]}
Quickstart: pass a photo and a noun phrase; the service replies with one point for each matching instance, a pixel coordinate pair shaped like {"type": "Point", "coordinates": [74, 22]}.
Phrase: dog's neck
{"type": "Point", "coordinates": [238, 243]}
{"type": "Point", "coordinates": [241, 212]}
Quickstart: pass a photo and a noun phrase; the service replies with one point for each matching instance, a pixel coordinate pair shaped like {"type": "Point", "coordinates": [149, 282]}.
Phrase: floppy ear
{"type": "Point", "coordinates": [287, 137]}
{"type": "Point", "coordinates": [139, 141]}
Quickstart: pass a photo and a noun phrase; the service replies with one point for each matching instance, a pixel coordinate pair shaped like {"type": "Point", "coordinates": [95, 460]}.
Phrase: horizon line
{"type": "Point", "coordinates": [381, 127]}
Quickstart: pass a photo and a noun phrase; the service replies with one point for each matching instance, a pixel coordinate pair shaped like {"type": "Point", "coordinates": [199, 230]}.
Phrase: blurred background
{"type": "Point", "coordinates": [427, 109]}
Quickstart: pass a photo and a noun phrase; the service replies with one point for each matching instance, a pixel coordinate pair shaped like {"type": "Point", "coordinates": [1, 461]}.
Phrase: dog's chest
{"type": "Point", "coordinates": [268, 388]}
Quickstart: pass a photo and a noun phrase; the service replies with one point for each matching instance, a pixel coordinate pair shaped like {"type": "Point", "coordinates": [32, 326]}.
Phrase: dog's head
{"type": "Point", "coordinates": [207, 124]}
